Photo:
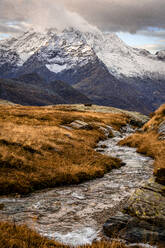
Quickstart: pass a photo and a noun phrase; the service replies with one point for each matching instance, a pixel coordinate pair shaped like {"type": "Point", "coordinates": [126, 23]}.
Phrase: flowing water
{"type": "Point", "coordinates": [75, 215]}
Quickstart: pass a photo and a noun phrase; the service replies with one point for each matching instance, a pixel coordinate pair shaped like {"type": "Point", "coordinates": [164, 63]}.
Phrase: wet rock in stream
{"type": "Point", "coordinates": [143, 217]}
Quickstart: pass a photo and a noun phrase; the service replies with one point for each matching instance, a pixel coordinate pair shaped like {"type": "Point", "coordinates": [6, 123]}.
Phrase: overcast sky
{"type": "Point", "coordinates": [140, 23]}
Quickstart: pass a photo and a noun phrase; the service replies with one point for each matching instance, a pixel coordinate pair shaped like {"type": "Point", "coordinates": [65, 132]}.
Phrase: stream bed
{"type": "Point", "coordinates": [75, 214]}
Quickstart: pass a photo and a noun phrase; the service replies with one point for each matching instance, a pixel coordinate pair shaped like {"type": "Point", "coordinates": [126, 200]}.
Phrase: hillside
{"type": "Point", "coordinates": [57, 147]}
{"type": "Point", "coordinates": [43, 147]}
{"type": "Point", "coordinates": [30, 89]}
{"type": "Point", "coordinates": [37, 150]}
{"type": "Point", "coordinates": [39, 147]}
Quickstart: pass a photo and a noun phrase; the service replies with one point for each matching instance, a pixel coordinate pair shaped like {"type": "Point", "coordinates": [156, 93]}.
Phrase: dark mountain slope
{"type": "Point", "coordinates": [105, 89]}
{"type": "Point", "coordinates": [34, 91]}
{"type": "Point", "coordinates": [21, 93]}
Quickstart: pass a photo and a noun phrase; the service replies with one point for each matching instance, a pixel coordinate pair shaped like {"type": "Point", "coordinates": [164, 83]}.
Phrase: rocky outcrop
{"type": "Point", "coordinates": [132, 230]}
{"type": "Point", "coordinates": [143, 217]}
{"type": "Point", "coordinates": [160, 176]}
{"type": "Point", "coordinates": [77, 124]}
{"type": "Point", "coordinates": [161, 55]}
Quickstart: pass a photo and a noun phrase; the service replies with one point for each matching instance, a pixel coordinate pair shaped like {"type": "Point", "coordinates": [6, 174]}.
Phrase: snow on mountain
{"type": "Point", "coordinates": [58, 50]}
{"type": "Point", "coordinates": [24, 46]}
{"type": "Point", "coordinates": [99, 65]}
{"type": "Point", "coordinates": [161, 55]}
{"type": "Point", "coordinates": [66, 50]}
{"type": "Point", "coordinates": [61, 51]}
{"type": "Point", "coordinates": [123, 60]}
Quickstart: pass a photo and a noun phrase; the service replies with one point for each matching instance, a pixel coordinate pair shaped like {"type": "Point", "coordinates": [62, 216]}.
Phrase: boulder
{"type": "Point", "coordinates": [127, 129]}
{"type": "Point", "coordinates": [133, 230]}
{"type": "Point", "coordinates": [77, 124]}
{"type": "Point", "coordinates": [88, 104]}
{"type": "Point", "coordinates": [136, 123]}
{"type": "Point", "coordinates": [67, 127]}
{"type": "Point", "coordinates": [160, 175]}
{"type": "Point", "coordinates": [143, 217]}
{"type": "Point", "coordinates": [112, 132]}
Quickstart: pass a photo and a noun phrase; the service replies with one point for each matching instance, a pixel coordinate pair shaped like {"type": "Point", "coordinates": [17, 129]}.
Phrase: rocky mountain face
{"type": "Point", "coordinates": [99, 65]}
{"type": "Point", "coordinates": [161, 55]}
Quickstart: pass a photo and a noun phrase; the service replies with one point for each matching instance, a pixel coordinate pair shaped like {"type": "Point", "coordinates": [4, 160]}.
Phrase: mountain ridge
{"type": "Point", "coordinates": [99, 65]}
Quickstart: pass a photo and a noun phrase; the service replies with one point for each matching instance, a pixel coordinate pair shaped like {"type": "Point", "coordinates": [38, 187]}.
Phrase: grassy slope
{"type": "Point", "coordinates": [36, 152]}
{"type": "Point", "coordinates": [148, 143]}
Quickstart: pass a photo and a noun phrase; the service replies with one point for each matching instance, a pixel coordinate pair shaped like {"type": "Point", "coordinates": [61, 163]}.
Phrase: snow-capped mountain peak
{"type": "Point", "coordinates": [64, 50]}
{"type": "Point", "coordinates": [123, 60]}
{"type": "Point", "coordinates": [100, 65]}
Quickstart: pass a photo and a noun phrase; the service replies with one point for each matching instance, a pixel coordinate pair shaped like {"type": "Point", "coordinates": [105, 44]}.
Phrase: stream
{"type": "Point", "coordinates": [75, 215]}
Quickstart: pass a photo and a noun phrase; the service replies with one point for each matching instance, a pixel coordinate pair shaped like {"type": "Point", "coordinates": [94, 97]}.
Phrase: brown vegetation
{"type": "Point", "coordinates": [149, 142]}
{"type": "Point", "coordinates": [38, 151]}
{"type": "Point", "coordinates": [12, 236]}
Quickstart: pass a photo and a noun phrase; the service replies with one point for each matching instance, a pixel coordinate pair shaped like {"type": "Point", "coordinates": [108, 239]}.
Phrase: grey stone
{"type": "Point", "coordinates": [67, 127]}
{"type": "Point", "coordinates": [127, 129]}
{"type": "Point", "coordinates": [143, 217]}
{"type": "Point", "coordinates": [105, 130]}
{"type": "Point", "coordinates": [133, 230]}
{"type": "Point", "coordinates": [77, 124]}
{"type": "Point", "coordinates": [114, 132]}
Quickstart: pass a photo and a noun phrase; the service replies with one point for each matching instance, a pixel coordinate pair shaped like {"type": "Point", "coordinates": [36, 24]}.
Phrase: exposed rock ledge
{"type": "Point", "coordinates": [143, 218]}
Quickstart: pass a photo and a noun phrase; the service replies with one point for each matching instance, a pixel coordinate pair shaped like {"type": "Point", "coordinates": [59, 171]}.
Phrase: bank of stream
{"type": "Point", "coordinates": [75, 214]}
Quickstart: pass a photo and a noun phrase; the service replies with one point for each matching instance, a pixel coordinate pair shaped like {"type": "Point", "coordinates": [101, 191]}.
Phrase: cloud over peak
{"type": "Point", "coordinates": [112, 15]}
{"type": "Point", "coordinates": [40, 14]}
{"type": "Point", "coordinates": [120, 15]}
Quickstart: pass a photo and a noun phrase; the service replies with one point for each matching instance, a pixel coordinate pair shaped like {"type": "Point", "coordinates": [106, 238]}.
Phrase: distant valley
{"type": "Point", "coordinates": [30, 89]}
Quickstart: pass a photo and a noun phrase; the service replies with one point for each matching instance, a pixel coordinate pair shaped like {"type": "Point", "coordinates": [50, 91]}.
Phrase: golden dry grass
{"type": "Point", "coordinates": [36, 152]}
{"type": "Point", "coordinates": [12, 236]}
{"type": "Point", "coordinates": [149, 143]}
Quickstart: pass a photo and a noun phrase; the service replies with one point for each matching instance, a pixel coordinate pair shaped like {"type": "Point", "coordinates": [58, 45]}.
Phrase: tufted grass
{"type": "Point", "coordinates": [149, 143]}
{"type": "Point", "coordinates": [37, 151]}
{"type": "Point", "coordinates": [13, 236]}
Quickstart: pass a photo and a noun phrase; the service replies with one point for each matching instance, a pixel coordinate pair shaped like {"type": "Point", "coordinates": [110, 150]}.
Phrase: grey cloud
{"type": "Point", "coordinates": [157, 34]}
{"type": "Point", "coordinates": [8, 27]}
{"type": "Point", "coordinates": [120, 15]}
{"type": "Point", "coordinates": [153, 47]}
{"type": "Point", "coordinates": [112, 15]}
{"type": "Point", "coordinates": [42, 14]}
